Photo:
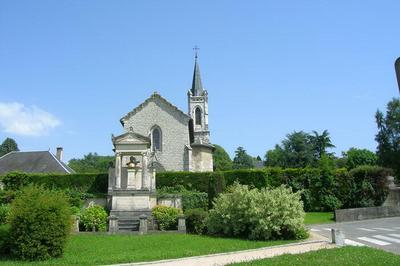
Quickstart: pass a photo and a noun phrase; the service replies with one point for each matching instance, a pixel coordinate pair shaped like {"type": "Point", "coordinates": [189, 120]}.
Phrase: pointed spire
{"type": "Point", "coordinates": [197, 87]}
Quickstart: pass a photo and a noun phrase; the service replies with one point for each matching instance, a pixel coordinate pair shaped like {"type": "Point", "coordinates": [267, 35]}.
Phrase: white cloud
{"type": "Point", "coordinates": [22, 120]}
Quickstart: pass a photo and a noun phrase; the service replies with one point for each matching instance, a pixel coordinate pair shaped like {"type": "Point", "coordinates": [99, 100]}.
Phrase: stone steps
{"type": "Point", "coordinates": [128, 225]}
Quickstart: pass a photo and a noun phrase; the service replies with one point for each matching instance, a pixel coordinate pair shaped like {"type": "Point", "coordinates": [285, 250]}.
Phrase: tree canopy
{"type": "Point", "coordinates": [388, 136]}
{"type": "Point", "coordinates": [356, 157]}
{"type": "Point", "coordinates": [91, 163]}
{"type": "Point", "coordinates": [242, 160]}
{"type": "Point", "coordinates": [299, 149]}
{"type": "Point", "coordinates": [222, 161]}
{"type": "Point", "coordinates": [7, 146]}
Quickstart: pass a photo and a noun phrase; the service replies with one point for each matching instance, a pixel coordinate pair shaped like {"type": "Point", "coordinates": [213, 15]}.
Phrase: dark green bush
{"type": "Point", "coordinates": [369, 186]}
{"type": "Point", "coordinates": [5, 233]}
{"type": "Point", "coordinates": [190, 199]}
{"type": "Point", "coordinates": [166, 217]}
{"type": "Point", "coordinates": [7, 196]}
{"type": "Point", "coordinates": [94, 217]}
{"type": "Point", "coordinates": [322, 189]}
{"type": "Point", "coordinates": [89, 183]}
{"type": "Point", "coordinates": [40, 222]}
{"type": "Point", "coordinates": [4, 212]}
{"type": "Point", "coordinates": [196, 221]}
{"type": "Point", "coordinates": [15, 180]}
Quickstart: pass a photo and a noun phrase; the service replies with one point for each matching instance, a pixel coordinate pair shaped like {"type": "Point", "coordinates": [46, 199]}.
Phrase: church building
{"type": "Point", "coordinates": [179, 141]}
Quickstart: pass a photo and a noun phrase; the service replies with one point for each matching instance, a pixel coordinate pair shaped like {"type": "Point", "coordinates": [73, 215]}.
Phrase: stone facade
{"type": "Point", "coordinates": [179, 141]}
{"type": "Point", "coordinates": [173, 124]}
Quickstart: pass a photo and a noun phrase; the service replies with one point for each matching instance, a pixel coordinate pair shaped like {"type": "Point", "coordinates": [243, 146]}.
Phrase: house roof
{"type": "Point", "coordinates": [154, 96]}
{"type": "Point", "coordinates": [33, 162]}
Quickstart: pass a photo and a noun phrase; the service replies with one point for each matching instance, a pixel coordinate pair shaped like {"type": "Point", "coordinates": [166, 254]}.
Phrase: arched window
{"type": "Point", "coordinates": [197, 114]}
{"type": "Point", "coordinates": [156, 139]}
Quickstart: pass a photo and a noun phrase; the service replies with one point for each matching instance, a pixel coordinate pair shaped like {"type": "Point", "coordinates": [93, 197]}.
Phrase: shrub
{"type": "Point", "coordinates": [166, 217]}
{"type": "Point", "coordinates": [7, 196]}
{"type": "Point", "coordinates": [40, 222]}
{"type": "Point", "coordinates": [90, 183]}
{"type": "Point", "coordinates": [15, 180]}
{"type": "Point", "coordinates": [5, 239]}
{"type": "Point", "coordinates": [369, 186]}
{"type": "Point", "coordinates": [196, 221]}
{"type": "Point", "coordinates": [94, 217]}
{"type": "Point", "coordinates": [190, 199]}
{"type": "Point", "coordinates": [258, 214]}
{"type": "Point", "coordinates": [4, 212]}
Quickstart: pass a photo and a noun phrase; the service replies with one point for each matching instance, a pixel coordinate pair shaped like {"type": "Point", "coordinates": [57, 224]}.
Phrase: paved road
{"type": "Point", "coordinates": [381, 233]}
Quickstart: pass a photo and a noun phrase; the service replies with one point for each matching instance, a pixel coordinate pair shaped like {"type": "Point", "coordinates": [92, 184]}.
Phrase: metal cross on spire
{"type": "Point", "coordinates": [196, 49]}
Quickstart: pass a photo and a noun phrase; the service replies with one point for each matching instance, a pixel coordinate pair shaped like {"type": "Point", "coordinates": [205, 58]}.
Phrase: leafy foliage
{"type": "Point", "coordinates": [357, 157]}
{"type": "Point", "coordinates": [92, 163]}
{"type": "Point", "coordinates": [299, 150]}
{"type": "Point", "coordinates": [166, 217]}
{"type": "Point", "coordinates": [221, 159]}
{"type": "Point", "coordinates": [40, 224]}
{"type": "Point", "coordinates": [7, 146]}
{"type": "Point", "coordinates": [94, 218]}
{"type": "Point", "coordinates": [191, 199]}
{"type": "Point", "coordinates": [388, 136]}
{"type": "Point", "coordinates": [5, 235]}
{"type": "Point", "coordinates": [196, 221]}
{"type": "Point", "coordinates": [258, 214]}
{"type": "Point", "coordinates": [4, 212]}
{"type": "Point", "coordinates": [242, 160]}
{"type": "Point", "coordinates": [322, 189]}
{"type": "Point", "coordinates": [88, 183]}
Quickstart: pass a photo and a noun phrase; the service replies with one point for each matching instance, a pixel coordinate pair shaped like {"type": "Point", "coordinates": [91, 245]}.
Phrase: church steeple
{"type": "Point", "coordinates": [197, 87]}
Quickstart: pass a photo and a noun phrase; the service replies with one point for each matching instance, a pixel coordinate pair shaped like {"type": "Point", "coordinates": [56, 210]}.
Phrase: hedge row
{"type": "Point", "coordinates": [322, 189]}
{"type": "Point", "coordinates": [86, 183]}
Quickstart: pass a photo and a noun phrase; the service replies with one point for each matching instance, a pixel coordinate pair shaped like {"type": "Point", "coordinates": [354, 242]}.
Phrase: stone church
{"type": "Point", "coordinates": [179, 141]}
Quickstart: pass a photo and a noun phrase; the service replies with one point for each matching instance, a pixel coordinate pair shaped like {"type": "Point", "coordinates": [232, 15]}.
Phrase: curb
{"type": "Point", "coordinates": [240, 256]}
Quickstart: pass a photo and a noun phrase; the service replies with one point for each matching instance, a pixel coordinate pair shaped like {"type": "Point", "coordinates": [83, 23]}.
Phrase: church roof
{"type": "Point", "coordinates": [33, 162]}
{"type": "Point", "coordinates": [197, 86]}
{"type": "Point", "coordinates": [154, 96]}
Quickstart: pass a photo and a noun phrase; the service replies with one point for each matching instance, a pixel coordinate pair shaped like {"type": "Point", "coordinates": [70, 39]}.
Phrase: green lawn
{"type": "Point", "coordinates": [337, 256]}
{"type": "Point", "coordinates": [95, 249]}
{"type": "Point", "coordinates": [319, 217]}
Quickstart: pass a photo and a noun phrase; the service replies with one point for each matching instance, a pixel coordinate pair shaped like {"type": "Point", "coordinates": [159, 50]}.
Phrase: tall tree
{"type": "Point", "coordinates": [388, 136]}
{"type": "Point", "coordinates": [321, 143]}
{"type": "Point", "coordinates": [242, 160]}
{"type": "Point", "coordinates": [7, 146]}
{"type": "Point", "coordinates": [91, 163]}
{"type": "Point", "coordinates": [221, 159]}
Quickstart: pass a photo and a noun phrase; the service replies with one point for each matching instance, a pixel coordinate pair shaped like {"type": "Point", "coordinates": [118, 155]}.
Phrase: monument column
{"type": "Point", "coordinates": [118, 162]}
{"type": "Point", "coordinates": [145, 177]}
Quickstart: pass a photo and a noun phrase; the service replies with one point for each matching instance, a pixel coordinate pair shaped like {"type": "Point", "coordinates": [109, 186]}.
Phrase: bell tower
{"type": "Point", "coordinates": [198, 106]}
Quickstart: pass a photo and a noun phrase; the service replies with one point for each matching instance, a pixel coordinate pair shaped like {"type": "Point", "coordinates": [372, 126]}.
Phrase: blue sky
{"type": "Point", "coordinates": [69, 70]}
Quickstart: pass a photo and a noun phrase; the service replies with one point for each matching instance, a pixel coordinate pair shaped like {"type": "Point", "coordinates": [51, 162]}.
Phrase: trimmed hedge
{"type": "Point", "coordinates": [87, 183]}
{"type": "Point", "coordinates": [321, 189]}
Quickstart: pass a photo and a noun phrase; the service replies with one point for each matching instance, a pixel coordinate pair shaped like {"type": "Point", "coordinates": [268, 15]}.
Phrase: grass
{"type": "Point", "coordinates": [319, 217]}
{"type": "Point", "coordinates": [337, 256]}
{"type": "Point", "coordinates": [95, 249]}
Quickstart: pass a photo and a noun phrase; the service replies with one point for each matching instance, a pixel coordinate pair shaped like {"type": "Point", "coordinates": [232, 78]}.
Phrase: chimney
{"type": "Point", "coordinates": [59, 153]}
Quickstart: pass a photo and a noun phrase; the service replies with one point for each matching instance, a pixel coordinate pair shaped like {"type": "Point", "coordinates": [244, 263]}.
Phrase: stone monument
{"type": "Point", "coordinates": [132, 183]}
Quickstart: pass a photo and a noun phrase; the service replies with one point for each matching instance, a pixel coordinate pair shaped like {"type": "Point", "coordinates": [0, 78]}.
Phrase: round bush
{"type": "Point", "coordinates": [166, 217]}
{"type": "Point", "coordinates": [40, 222]}
{"type": "Point", "coordinates": [196, 221]}
{"type": "Point", "coordinates": [258, 214]}
{"type": "Point", "coordinates": [94, 217]}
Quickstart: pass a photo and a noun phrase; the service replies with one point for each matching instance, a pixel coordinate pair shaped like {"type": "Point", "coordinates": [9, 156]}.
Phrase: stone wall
{"type": "Point", "coordinates": [356, 214]}
{"type": "Point", "coordinates": [174, 130]}
{"type": "Point", "coordinates": [202, 159]}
